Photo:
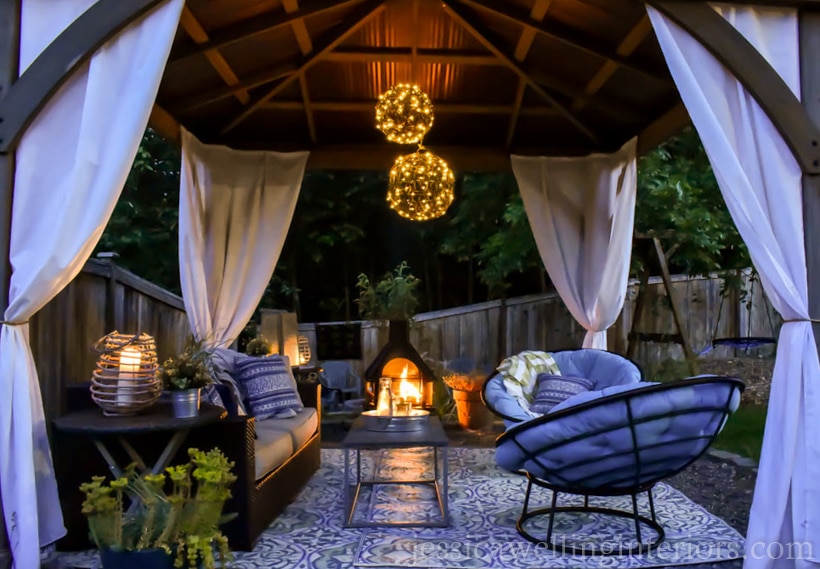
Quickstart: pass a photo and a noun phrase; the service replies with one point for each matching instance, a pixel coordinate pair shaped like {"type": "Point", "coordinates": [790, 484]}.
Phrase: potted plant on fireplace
{"type": "Point", "coordinates": [184, 375]}
{"type": "Point", "coordinates": [393, 297]}
{"type": "Point", "coordinates": [177, 528]}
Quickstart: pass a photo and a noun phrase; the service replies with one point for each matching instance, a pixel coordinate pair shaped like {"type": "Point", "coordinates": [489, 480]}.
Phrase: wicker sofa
{"type": "Point", "coordinates": [258, 497]}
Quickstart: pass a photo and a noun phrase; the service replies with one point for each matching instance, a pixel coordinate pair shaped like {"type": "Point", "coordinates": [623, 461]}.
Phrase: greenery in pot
{"type": "Point", "coordinates": [258, 347]}
{"type": "Point", "coordinates": [189, 370]}
{"type": "Point", "coordinates": [464, 382]}
{"type": "Point", "coordinates": [394, 297]}
{"type": "Point", "coordinates": [183, 522]}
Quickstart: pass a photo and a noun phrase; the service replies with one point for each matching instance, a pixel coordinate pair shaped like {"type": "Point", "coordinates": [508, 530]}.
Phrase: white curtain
{"type": "Point", "coordinates": [581, 211]}
{"type": "Point", "coordinates": [71, 166]}
{"type": "Point", "coordinates": [761, 183]}
{"type": "Point", "coordinates": [235, 209]}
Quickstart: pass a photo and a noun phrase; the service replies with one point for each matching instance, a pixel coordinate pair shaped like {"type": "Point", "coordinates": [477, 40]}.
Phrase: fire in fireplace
{"type": "Point", "coordinates": [412, 377]}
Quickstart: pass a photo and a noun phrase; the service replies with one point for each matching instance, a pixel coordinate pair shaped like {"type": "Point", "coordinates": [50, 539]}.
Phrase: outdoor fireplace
{"type": "Point", "coordinates": [399, 360]}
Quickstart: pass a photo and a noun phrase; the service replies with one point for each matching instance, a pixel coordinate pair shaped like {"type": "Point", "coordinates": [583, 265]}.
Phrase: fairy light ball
{"type": "Point", "coordinates": [420, 186]}
{"type": "Point", "coordinates": [404, 114]}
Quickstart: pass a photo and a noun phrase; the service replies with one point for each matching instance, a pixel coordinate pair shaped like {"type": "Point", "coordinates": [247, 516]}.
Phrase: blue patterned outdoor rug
{"type": "Point", "coordinates": [485, 502]}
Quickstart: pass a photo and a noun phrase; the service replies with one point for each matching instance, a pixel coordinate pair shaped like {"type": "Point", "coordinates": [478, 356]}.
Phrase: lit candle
{"type": "Point", "coordinates": [130, 360]}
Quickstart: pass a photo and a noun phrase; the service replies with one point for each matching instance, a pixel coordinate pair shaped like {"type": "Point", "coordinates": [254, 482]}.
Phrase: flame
{"type": "Point", "coordinates": [408, 391]}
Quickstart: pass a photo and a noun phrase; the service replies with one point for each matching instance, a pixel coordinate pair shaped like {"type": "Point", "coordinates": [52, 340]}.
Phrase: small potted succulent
{"type": "Point", "coordinates": [162, 530]}
{"type": "Point", "coordinates": [183, 376]}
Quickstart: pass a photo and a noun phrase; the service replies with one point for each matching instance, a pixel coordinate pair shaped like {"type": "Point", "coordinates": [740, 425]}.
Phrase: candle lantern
{"type": "Point", "coordinates": [124, 382]}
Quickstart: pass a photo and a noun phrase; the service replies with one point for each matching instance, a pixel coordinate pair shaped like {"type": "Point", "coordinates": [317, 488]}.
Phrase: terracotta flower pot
{"type": "Point", "coordinates": [472, 413]}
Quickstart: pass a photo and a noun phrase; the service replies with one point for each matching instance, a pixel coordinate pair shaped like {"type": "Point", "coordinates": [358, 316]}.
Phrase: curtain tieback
{"type": "Point", "coordinates": [13, 323]}
{"type": "Point", "coordinates": [812, 320]}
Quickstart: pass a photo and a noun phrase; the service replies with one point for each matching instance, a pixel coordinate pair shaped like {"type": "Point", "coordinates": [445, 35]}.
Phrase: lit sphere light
{"type": "Point", "coordinates": [404, 114]}
{"type": "Point", "coordinates": [420, 186]}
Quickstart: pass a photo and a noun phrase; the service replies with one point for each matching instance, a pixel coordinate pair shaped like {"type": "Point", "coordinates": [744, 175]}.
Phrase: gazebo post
{"type": "Point", "coordinates": [809, 31]}
{"type": "Point", "coordinates": [9, 66]}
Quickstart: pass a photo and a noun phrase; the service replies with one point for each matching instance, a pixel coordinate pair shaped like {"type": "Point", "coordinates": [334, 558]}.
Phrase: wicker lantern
{"type": "Point", "coordinates": [304, 350]}
{"type": "Point", "coordinates": [404, 114]}
{"type": "Point", "coordinates": [124, 381]}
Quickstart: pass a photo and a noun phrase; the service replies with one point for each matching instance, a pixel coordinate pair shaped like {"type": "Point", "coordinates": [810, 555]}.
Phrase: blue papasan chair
{"type": "Point", "coordinates": [619, 438]}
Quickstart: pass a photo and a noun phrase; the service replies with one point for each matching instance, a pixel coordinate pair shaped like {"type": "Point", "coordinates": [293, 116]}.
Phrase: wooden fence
{"type": "Point", "coordinates": [102, 298]}
{"type": "Point", "coordinates": [543, 322]}
{"type": "Point", "coordinates": [105, 297]}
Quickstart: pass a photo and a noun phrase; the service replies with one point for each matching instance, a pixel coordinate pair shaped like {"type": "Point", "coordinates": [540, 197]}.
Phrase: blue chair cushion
{"type": "Point", "coordinates": [270, 386]}
{"type": "Point", "coordinates": [550, 390]}
{"type": "Point", "coordinates": [622, 442]}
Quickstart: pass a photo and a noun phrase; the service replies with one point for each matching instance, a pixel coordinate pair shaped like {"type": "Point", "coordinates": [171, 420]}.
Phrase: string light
{"type": "Point", "coordinates": [404, 114]}
{"type": "Point", "coordinates": [420, 187]}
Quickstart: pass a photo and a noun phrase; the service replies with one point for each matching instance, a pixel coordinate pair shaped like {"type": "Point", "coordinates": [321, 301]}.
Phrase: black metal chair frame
{"type": "Point", "coordinates": [632, 490]}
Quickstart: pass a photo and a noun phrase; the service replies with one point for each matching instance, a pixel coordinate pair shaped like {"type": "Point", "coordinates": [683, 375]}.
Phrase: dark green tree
{"type": "Point", "coordinates": [143, 228]}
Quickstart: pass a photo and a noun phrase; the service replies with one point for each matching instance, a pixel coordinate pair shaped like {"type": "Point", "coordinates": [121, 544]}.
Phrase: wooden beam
{"type": "Point", "coordinates": [688, 352]}
{"type": "Point", "coordinates": [405, 55]}
{"type": "Point", "coordinates": [750, 68]}
{"type": "Point", "coordinates": [9, 69]}
{"type": "Point", "coordinates": [54, 65]}
{"type": "Point", "coordinates": [669, 123]}
{"type": "Point", "coordinates": [308, 111]}
{"type": "Point", "coordinates": [629, 44]}
{"type": "Point", "coordinates": [516, 111]}
{"type": "Point", "coordinates": [305, 46]}
{"type": "Point", "coordinates": [471, 24]}
{"type": "Point", "coordinates": [340, 33]}
{"type": "Point", "coordinates": [809, 32]}
{"type": "Point", "coordinates": [257, 25]}
{"type": "Point", "coordinates": [164, 124]}
{"type": "Point", "coordinates": [568, 36]}
{"type": "Point", "coordinates": [441, 108]}
{"type": "Point", "coordinates": [190, 103]}
{"type": "Point", "coordinates": [522, 48]}
{"type": "Point", "coordinates": [197, 33]}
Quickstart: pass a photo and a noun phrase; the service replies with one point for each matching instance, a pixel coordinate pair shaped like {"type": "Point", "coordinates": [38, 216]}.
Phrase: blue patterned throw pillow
{"type": "Point", "coordinates": [553, 389]}
{"type": "Point", "coordinates": [270, 387]}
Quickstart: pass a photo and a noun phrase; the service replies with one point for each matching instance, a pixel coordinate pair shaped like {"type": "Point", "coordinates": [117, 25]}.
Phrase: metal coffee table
{"type": "Point", "coordinates": [359, 439]}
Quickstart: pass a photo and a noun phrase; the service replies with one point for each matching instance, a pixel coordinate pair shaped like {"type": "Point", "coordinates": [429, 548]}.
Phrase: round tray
{"type": "Point", "coordinates": [396, 423]}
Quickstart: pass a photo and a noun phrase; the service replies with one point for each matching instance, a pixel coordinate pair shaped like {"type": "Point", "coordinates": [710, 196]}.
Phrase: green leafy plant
{"type": "Point", "coordinates": [189, 370]}
{"type": "Point", "coordinates": [258, 347]}
{"type": "Point", "coordinates": [184, 522]}
{"type": "Point", "coordinates": [394, 297]}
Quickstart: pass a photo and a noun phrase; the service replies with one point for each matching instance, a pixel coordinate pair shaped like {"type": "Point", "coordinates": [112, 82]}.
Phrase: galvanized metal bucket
{"type": "Point", "coordinates": [186, 403]}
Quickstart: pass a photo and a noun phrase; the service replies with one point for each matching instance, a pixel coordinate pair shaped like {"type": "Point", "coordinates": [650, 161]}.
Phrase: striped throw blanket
{"type": "Point", "coordinates": [520, 371]}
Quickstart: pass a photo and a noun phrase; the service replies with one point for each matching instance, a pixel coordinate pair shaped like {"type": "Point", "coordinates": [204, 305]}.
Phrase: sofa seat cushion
{"type": "Point", "coordinates": [277, 439]}
{"type": "Point", "coordinates": [300, 427]}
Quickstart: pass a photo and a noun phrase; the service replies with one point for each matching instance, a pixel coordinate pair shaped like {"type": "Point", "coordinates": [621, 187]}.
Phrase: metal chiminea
{"type": "Point", "coordinates": [412, 377]}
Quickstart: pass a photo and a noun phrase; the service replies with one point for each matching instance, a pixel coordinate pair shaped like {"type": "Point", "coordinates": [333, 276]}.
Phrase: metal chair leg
{"type": "Point", "coordinates": [651, 504]}
{"type": "Point", "coordinates": [637, 518]}
{"type": "Point", "coordinates": [552, 515]}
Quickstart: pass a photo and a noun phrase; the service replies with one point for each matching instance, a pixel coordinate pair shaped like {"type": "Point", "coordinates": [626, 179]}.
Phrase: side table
{"type": "Point", "coordinates": [159, 418]}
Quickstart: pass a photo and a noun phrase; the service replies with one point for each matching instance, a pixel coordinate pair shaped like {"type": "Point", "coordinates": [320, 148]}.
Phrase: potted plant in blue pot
{"type": "Point", "coordinates": [159, 521]}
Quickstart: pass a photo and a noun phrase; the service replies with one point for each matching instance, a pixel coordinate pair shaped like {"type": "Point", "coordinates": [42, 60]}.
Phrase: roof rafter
{"type": "Point", "coordinates": [197, 33]}
{"type": "Point", "coordinates": [405, 55]}
{"type": "Point", "coordinates": [567, 36]}
{"type": "Point", "coordinates": [326, 44]}
{"type": "Point", "coordinates": [539, 10]}
{"type": "Point", "coordinates": [258, 25]}
{"type": "Point", "coordinates": [472, 25]}
{"type": "Point", "coordinates": [629, 44]}
{"type": "Point", "coordinates": [441, 108]}
{"type": "Point", "coordinates": [306, 47]}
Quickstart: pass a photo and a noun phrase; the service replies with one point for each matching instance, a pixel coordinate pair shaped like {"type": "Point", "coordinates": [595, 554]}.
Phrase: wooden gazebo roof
{"type": "Point", "coordinates": [547, 77]}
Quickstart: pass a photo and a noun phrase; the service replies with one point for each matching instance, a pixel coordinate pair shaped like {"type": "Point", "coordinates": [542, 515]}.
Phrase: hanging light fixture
{"type": "Point", "coordinates": [404, 114]}
{"type": "Point", "coordinates": [420, 186]}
